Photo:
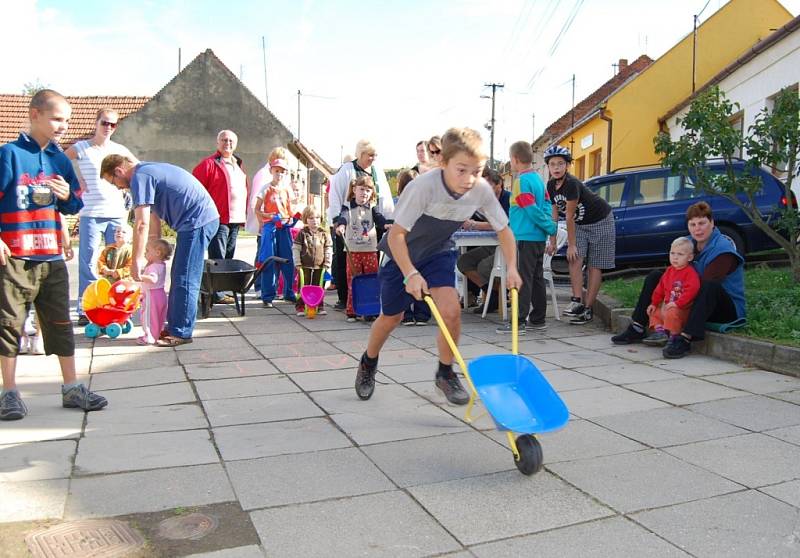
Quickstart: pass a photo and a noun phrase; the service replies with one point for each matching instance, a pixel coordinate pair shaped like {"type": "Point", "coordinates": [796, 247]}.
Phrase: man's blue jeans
{"type": "Point", "coordinates": [93, 230]}
{"type": "Point", "coordinates": [223, 244]}
{"type": "Point", "coordinates": [185, 278]}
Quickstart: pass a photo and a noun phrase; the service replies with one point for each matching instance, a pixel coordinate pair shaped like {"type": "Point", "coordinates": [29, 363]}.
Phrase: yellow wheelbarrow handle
{"type": "Point", "coordinates": [473, 393]}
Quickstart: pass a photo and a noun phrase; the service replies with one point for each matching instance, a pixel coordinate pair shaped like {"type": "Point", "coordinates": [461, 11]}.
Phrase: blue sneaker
{"type": "Point", "coordinates": [79, 397]}
{"type": "Point", "coordinates": [11, 406]}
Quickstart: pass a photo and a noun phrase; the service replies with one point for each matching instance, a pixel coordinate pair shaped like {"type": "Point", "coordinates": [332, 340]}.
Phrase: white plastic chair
{"type": "Point", "coordinates": [498, 271]}
{"type": "Point", "coordinates": [561, 239]}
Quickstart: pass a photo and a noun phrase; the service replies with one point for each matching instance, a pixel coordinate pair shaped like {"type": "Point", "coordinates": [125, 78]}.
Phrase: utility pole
{"type": "Point", "coordinates": [298, 114]}
{"type": "Point", "coordinates": [572, 139]}
{"type": "Point", "coordinates": [694, 53]}
{"type": "Point", "coordinates": [179, 59]}
{"type": "Point", "coordinates": [533, 128]}
{"type": "Point", "coordinates": [266, 89]}
{"type": "Point", "coordinates": [495, 87]}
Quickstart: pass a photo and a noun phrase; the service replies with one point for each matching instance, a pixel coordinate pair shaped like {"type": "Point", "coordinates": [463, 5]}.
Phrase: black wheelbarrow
{"type": "Point", "coordinates": [235, 276]}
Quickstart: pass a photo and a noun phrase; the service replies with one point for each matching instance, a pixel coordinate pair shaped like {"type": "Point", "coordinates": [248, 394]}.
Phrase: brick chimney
{"type": "Point", "coordinates": [623, 63]}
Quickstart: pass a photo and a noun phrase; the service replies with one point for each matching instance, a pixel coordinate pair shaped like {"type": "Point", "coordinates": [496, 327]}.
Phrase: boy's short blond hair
{"type": "Point", "coordinates": [522, 151]}
{"type": "Point", "coordinates": [277, 153]}
{"type": "Point", "coordinates": [126, 229]}
{"type": "Point", "coordinates": [462, 140]}
{"type": "Point", "coordinates": [164, 248]}
{"type": "Point", "coordinates": [111, 162]}
{"type": "Point", "coordinates": [44, 99]}
{"type": "Point", "coordinates": [309, 211]}
{"type": "Point", "coordinates": [683, 241]}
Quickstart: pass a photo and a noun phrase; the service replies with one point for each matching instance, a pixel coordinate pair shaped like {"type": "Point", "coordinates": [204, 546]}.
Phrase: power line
{"type": "Point", "coordinates": [556, 42]}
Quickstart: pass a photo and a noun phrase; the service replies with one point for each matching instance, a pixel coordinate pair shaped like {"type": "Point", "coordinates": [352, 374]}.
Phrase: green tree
{"type": "Point", "coordinates": [772, 142]}
{"type": "Point", "coordinates": [33, 87]}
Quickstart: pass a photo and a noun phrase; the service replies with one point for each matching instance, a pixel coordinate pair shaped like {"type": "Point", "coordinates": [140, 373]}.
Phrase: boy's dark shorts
{"type": "Point", "coordinates": [46, 284]}
{"type": "Point", "coordinates": [438, 270]}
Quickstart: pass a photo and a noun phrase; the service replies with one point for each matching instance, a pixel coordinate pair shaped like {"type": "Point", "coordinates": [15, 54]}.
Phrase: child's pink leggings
{"type": "Point", "coordinates": [153, 314]}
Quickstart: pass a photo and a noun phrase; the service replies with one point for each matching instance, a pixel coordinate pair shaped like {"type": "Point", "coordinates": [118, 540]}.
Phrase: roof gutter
{"type": "Point", "coordinates": [604, 116]}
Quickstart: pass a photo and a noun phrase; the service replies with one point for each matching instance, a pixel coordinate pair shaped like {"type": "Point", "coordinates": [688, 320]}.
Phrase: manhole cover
{"type": "Point", "coordinates": [187, 527]}
{"type": "Point", "coordinates": [86, 539]}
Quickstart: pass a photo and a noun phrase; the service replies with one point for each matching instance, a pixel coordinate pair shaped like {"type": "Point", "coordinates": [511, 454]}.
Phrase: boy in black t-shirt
{"type": "Point", "coordinates": [590, 232]}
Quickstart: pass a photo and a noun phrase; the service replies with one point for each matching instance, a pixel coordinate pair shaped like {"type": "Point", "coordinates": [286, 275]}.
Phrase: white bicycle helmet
{"type": "Point", "coordinates": [557, 151]}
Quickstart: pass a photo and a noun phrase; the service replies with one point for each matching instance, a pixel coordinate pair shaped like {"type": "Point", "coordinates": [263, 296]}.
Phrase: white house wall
{"type": "Point", "coordinates": [754, 83]}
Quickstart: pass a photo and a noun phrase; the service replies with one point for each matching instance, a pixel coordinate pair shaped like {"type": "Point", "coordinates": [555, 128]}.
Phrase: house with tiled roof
{"type": "Point", "coordinates": [14, 114]}
{"type": "Point", "coordinates": [588, 108]}
{"type": "Point", "coordinates": [179, 124]}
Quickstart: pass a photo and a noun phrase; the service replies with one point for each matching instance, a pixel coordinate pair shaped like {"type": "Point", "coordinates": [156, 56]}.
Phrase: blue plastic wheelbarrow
{"type": "Point", "coordinates": [366, 292]}
{"type": "Point", "coordinates": [515, 393]}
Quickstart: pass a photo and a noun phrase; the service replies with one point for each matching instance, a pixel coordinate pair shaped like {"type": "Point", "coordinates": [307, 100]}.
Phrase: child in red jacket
{"type": "Point", "coordinates": [672, 300]}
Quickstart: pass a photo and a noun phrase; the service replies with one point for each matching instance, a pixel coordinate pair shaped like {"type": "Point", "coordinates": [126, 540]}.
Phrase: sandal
{"type": "Point", "coordinates": [172, 341]}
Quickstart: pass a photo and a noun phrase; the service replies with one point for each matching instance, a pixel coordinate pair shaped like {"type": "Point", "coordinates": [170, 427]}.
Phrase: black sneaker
{"type": "Point", "coordinates": [575, 308]}
{"type": "Point", "coordinates": [83, 320]}
{"type": "Point", "coordinates": [452, 389]}
{"type": "Point", "coordinates": [340, 305]}
{"type": "Point", "coordinates": [11, 406]}
{"type": "Point", "coordinates": [656, 339]}
{"type": "Point", "coordinates": [408, 321]}
{"type": "Point", "coordinates": [628, 336]}
{"type": "Point", "coordinates": [365, 379]}
{"type": "Point", "coordinates": [677, 347]}
{"type": "Point", "coordinates": [583, 318]}
{"type": "Point", "coordinates": [79, 397]}
{"type": "Point", "coordinates": [536, 326]}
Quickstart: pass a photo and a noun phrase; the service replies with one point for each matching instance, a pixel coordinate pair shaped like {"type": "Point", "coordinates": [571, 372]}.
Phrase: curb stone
{"type": "Point", "coordinates": [731, 347]}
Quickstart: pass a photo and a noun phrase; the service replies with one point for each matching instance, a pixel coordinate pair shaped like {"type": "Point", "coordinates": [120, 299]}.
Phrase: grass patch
{"type": "Point", "coordinates": [773, 303]}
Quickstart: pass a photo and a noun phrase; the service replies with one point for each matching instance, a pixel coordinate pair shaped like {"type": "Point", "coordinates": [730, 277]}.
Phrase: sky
{"type": "Point", "coordinates": [392, 72]}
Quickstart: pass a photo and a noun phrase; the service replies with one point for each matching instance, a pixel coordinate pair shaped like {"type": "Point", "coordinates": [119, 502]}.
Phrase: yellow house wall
{"type": "Point", "coordinates": [596, 128]}
{"type": "Point", "coordinates": [636, 108]}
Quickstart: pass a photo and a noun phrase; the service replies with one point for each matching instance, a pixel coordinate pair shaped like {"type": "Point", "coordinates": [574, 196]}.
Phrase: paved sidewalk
{"type": "Point", "coordinates": [256, 425]}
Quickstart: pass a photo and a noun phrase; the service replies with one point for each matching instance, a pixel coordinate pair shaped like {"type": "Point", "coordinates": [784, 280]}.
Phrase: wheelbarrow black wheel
{"type": "Point", "coordinates": [530, 455]}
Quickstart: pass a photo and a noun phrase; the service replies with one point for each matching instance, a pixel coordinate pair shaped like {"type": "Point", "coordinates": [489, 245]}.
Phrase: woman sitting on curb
{"type": "Point", "coordinates": [721, 295]}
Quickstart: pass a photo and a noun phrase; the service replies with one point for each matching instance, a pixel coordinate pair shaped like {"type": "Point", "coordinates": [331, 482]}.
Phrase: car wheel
{"type": "Point", "coordinates": [736, 237]}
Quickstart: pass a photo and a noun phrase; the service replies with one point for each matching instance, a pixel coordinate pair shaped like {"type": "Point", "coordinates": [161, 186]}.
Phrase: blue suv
{"type": "Point", "coordinates": [650, 211]}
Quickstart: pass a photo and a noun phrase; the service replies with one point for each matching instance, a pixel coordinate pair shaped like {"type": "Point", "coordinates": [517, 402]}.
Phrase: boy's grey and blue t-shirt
{"type": "Point", "coordinates": [432, 213]}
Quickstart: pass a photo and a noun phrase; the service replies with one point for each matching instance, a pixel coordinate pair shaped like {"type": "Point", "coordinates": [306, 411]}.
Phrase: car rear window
{"type": "Point", "coordinates": [610, 191]}
{"type": "Point", "coordinates": [656, 189]}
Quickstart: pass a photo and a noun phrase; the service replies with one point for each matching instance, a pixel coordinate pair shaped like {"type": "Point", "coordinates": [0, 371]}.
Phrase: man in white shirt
{"type": "Point", "coordinates": [223, 175]}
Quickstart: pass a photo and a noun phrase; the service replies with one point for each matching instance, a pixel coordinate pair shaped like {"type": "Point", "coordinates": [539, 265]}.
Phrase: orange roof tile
{"type": "Point", "coordinates": [14, 114]}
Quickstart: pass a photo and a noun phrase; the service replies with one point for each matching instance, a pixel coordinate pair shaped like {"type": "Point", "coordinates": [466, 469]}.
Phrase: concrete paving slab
{"type": "Point", "coordinates": [757, 381]}
{"type": "Point", "coordinates": [244, 387]}
{"type": "Point", "coordinates": [224, 343]}
{"type": "Point", "coordinates": [469, 352]}
{"type": "Point", "coordinates": [213, 355]}
{"type": "Point", "coordinates": [44, 385]}
{"type": "Point", "coordinates": [312, 363]}
{"type": "Point", "coordinates": [205, 328]}
{"type": "Point", "coordinates": [668, 426]}
{"type": "Point", "coordinates": [566, 380]}
{"type": "Point", "coordinates": [581, 439]}
{"type": "Point", "coordinates": [232, 369]}
{"type": "Point", "coordinates": [641, 480]}
{"type": "Point", "coordinates": [604, 538]}
{"type": "Point", "coordinates": [36, 461]}
{"type": "Point", "coordinates": [252, 441]}
{"type": "Point", "coordinates": [754, 413]}
{"type": "Point", "coordinates": [148, 491]}
{"type": "Point", "coordinates": [156, 358]}
{"type": "Point", "coordinates": [788, 492]}
{"type": "Point", "coordinates": [790, 396]}
{"type": "Point", "coordinates": [334, 320]}
{"type": "Point", "coordinates": [104, 347]}
{"type": "Point", "coordinates": [33, 500]}
{"type": "Point", "coordinates": [297, 350]}
{"type": "Point", "coordinates": [394, 413]}
{"type": "Point", "coordinates": [636, 353]}
{"type": "Point", "coordinates": [698, 365]}
{"type": "Point", "coordinates": [291, 338]}
{"type": "Point", "coordinates": [408, 356]}
{"type": "Point", "coordinates": [593, 341]}
{"type": "Point", "coordinates": [150, 396]}
{"type": "Point", "coordinates": [752, 460]}
{"type": "Point", "coordinates": [440, 458]}
{"type": "Point", "coordinates": [406, 373]}
{"type": "Point", "coordinates": [338, 335]}
{"type": "Point", "coordinates": [265, 408]}
{"type": "Point", "coordinates": [609, 400]}
{"type": "Point", "coordinates": [137, 378]}
{"type": "Point", "coordinates": [535, 347]}
{"type": "Point", "coordinates": [272, 324]}
{"type": "Point", "coordinates": [357, 346]}
{"type": "Point", "coordinates": [581, 359]}
{"type": "Point", "coordinates": [505, 505]}
{"type": "Point", "coordinates": [428, 342]}
{"type": "Point", "coordinates": [41, 426]}
{"type": "Point", "coordinates": [629, 373]}
{"type": "Point", "coordinates": [685, 391]}
{"type": "Point", "coordinates": [144, 451]}
{"type": "Point", "coordinates": [306, 477]}
{"type": "Point", "coordinates": [389, 524]}
{"type": "Point", "coordinates": [120, 421]}
{"type": "Point", "coordinates": [789, 434]}
{"type": "Point", "coordinates": [250, 551]}
{"type": "Point", "coordinates": [331, 379]}
{"type": "Point", "coordinates": [743, 524]}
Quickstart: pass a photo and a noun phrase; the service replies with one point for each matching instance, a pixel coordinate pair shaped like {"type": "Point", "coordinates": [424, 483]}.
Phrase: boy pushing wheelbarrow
{"type": "Point", "coordinates": [421, 256]}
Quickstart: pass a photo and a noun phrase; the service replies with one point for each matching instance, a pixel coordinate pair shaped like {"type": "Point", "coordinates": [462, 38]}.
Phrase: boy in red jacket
{"type": "Point", "coordinates": [673, 297]}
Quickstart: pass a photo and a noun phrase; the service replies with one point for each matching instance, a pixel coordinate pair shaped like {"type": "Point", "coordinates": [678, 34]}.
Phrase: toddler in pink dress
{"type": "Point", "coordinates": [153, 312]}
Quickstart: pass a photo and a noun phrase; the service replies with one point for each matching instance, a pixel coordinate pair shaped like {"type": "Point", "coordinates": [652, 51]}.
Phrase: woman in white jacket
{"type": "Point", "coordinates": [364, 164]}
